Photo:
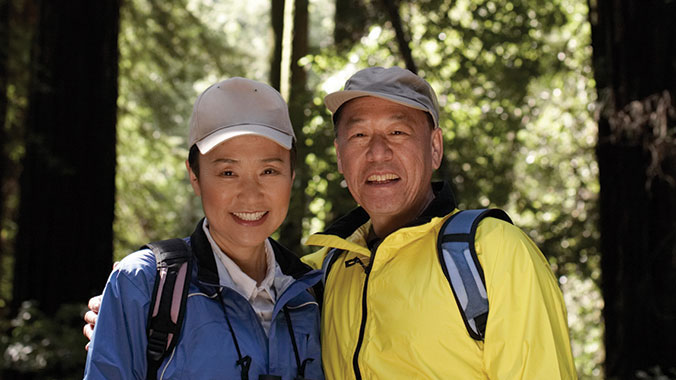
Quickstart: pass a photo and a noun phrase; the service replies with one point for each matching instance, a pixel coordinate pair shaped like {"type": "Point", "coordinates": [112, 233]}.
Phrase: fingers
{"type": "Point", "coordinates": [94, 305]}
{"type": "Point", "coordinates": [90, 318]}
{"type": "Point", "coordinates": [87, 330]}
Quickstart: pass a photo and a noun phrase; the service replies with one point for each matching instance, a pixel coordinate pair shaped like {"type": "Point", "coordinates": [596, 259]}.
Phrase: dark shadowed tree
{"type": "Point", "coordinates": [277, 23]}
{"type": "Point", "coordinates": [4, 157]}
{"type": "Point", "coordinates": [299, 100]}
{"type": "Point", "coordinates": [64, 242]}
{"type": "Point", "coordinates": [351, 21]}
{"type": "Point", "coordinates": [403, 40]}
{"type": "Point", "coordinates": [635, 68]}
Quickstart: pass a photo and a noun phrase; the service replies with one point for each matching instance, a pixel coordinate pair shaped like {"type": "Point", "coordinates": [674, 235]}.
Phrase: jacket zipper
{"type": "Point", "coordinates": [362, 327]}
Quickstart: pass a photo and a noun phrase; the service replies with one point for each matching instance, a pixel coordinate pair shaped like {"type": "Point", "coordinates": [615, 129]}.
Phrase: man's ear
{"type": "Point", "coordinates": [338, 161]}
{"type": "Point", "coordinates": [437, 144]}
{"type": "Point", "coordinates": [194, 181]}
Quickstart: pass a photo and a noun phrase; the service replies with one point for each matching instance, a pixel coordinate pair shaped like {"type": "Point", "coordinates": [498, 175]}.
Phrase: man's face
{"type": "Point", "coordinates": [387, 153]}
{"type": "Point", "coordinates": [245, 185]}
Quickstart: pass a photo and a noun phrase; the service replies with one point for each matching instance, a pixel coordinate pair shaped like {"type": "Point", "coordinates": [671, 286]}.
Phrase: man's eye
{"type": "Point", "coordinates": [358, 135]}
{"type": "Point", "coordinates": [227, 173]}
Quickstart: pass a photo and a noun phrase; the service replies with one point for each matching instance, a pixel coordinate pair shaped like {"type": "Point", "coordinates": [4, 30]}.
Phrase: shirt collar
{"type": "Point", "coordinates": [231, 275]}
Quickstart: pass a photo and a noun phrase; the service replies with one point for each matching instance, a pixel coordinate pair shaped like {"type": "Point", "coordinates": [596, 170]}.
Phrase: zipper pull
{"type": "Point", "coordinates": [356, 260]}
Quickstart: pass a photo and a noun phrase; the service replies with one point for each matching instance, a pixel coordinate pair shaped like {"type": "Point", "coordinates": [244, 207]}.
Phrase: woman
{"type": "Point", "coordinates": [249, 313]}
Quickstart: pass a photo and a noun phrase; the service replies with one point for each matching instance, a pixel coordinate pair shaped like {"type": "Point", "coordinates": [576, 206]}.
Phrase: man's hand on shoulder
{"type": "Point", "coordinates": [93, 313]}
{"type": "Point", "coordinates": [90, 317]}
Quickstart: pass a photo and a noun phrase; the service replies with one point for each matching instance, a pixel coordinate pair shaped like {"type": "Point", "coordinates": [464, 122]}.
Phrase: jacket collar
{"type": "Point", "coordinates": [442, 204]}
{"type": "Point", "coordinates": [207, 271]}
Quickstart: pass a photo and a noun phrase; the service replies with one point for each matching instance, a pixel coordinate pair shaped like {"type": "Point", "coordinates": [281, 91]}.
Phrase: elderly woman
{"type": "Point", "coordinates": [248, 313]}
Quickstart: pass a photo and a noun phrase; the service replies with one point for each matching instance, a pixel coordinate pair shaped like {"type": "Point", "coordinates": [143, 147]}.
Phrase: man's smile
{"type": "Point", "coordinates": [378, 179]}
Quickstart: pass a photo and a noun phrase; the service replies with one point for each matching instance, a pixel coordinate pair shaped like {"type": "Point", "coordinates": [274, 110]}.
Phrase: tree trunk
{"type": "Point", "coordinates": [4, 154]}
{"type": "Point", "coordinates": [392, 8]}
{"type": "Point", "coordinates": [277, 22]}
{"type": "Point", "coordinates": [350, 23]}
{"type": "Point", "coordinates": [635, 59]}
{"type": "Point", "coordinates": [64, 242]}
{"type": "Point", "coordinates": [299, 100]}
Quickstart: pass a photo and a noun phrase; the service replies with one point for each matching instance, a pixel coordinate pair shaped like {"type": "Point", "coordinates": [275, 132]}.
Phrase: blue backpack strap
{"type": "Point", "coordinates": [330, 258]}
{"type": "Point", "coordinates": [455, 246]}
{"type": "Point", "coordinates": [167, 305]}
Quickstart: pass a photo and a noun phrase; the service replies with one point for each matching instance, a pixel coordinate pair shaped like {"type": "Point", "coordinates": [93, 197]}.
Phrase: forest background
{"type": "Point", "coordinates": [560, 112]}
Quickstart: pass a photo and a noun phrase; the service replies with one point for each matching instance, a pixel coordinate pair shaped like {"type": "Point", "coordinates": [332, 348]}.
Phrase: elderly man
{"type": "Point", "coordinates": [388, 311]}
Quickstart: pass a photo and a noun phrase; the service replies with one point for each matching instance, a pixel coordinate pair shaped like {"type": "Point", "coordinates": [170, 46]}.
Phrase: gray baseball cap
{"type": "Point", "coordinates": [394, 84]}
{"type": "Point", "coordinates": [239, 106]}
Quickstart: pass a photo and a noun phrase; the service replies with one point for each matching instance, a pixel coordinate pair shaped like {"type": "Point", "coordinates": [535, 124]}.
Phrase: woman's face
{"type": "Point", "coordinates": [245, 185]}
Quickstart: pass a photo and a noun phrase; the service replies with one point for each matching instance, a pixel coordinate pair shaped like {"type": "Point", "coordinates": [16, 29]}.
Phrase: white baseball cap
{"type": "Point", "coordinates": [239, 106]}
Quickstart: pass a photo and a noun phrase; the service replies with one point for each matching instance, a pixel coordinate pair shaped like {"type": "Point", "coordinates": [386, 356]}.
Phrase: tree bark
{"type": "Point", "coordinates": [4, 156]}
{"type": "Point", "coordinates": [350, 23]}
{"type": "Point", "coordinates": [277, 22]}
{"type": "Point", "coordinates": [64, 242]}
{"type": "Point", "coordinates": [299, 99]}
{"type": "Point", "coordinates": [634, 57]}
{"type": "Point", "coordinates": [403, 40]}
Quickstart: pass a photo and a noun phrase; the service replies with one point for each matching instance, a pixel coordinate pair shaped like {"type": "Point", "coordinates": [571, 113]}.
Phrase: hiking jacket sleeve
{"type": "Point", "coordinates": [527, 331]}
{"type": "Point", "coordinates": [117, 349]}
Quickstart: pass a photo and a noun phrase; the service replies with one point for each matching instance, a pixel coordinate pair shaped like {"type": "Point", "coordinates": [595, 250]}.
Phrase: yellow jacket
{"type": "Point", "coordinates": [401, 320]}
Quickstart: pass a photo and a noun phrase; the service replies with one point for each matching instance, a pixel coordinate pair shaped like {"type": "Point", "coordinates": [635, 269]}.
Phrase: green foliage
{"type": "Point", "coordinates": [514, 83]}
{"type": "Point", "coordinates": [49, 348]}
{"type": "Point", "coordinates": [169, 52]}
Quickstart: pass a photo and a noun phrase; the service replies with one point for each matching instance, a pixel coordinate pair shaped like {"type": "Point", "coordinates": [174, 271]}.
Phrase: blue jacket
{"type": "Point", "coordinates": [206, 348]}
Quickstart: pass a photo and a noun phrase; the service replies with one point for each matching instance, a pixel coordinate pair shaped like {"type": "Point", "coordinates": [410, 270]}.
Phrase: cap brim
{"type": "Point", "coordinates": [226, 133]}
{"type": "Point", "coordinates": [335, 100]}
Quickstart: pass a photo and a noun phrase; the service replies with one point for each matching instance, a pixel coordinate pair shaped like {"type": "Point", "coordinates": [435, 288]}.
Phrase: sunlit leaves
{"type": "Point", "coordinates": [168, 54]}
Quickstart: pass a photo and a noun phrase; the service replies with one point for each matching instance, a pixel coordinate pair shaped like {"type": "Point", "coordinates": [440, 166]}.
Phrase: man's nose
{"type": "Point", "coordinates": [379, 149]}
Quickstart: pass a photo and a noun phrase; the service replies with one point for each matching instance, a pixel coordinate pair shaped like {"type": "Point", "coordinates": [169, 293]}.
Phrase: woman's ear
{"type": "Point", "coordinates": [194, 181]}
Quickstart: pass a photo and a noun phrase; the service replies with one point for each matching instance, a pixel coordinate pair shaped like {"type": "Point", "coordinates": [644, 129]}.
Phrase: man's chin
{"type": "Point", "coordinates": [383, 207]}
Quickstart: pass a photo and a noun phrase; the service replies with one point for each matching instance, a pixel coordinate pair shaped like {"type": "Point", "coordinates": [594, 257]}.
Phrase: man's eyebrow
{"type": "Point", "coordinates": [273, 159]}
{"type": "Point", "coordinates": [394, 116]}
{"type": "Point", "coordinates": [353, 120]}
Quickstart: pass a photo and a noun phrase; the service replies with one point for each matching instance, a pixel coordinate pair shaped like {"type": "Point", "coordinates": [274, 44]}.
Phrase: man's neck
{"type": "Point", "coordinates": [386, 224]}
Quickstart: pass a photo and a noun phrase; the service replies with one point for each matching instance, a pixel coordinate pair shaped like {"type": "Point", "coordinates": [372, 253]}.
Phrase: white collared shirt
{"type": "Point", "coordinates": [261, 297]}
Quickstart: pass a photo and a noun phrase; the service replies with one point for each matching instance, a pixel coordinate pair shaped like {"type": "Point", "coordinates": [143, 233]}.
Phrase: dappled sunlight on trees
{"type": "Point", "coordinates": [516, 91]}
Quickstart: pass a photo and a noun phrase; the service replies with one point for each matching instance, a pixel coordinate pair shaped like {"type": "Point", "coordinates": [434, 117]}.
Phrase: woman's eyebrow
{"type": "Point", "coordinates": [224, 160]}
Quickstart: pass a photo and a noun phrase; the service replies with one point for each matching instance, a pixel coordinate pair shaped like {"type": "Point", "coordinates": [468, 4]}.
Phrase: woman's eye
{"type": "Point", "coordinates": [227, 173]}
{"type": "Point", "coordinates": [269, 171]}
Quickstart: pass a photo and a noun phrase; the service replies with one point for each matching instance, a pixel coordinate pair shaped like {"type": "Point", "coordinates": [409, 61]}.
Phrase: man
{"type": "Point", "coordinates": [388, 310]}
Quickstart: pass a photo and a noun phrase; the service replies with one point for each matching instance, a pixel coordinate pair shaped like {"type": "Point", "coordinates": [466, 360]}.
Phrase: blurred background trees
{"type": "Point", "coordinates": [519, 101]}
{"type": "Point", "coordinates": [635, 71]}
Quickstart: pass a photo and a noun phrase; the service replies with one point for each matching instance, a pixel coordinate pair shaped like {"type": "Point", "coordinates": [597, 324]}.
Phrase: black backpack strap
{"type": "Point", "coordinates": [459, 261]}
{"type": "Point", "coordinates": [167, 305]}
